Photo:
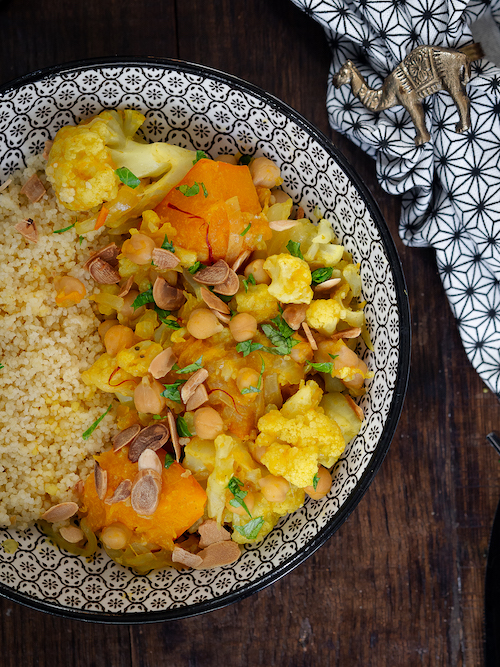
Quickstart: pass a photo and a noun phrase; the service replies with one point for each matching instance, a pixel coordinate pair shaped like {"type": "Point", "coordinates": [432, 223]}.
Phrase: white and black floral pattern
{"type": "Point", "coordinates": [203, 109]}
{"type": "Point", "coordinates": [451, 185]}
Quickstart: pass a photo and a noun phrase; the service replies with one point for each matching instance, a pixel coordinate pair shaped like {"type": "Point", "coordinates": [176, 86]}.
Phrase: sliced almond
{"type": "Point", "coordinates": [214, 274]}
{"type": "Point", "coordinates": [6, 184]}
{"type": "Point", "coordinates": [34, 189]}
{"type": "Point", "coordinates": [186, 557]}
{"type": "Point", "coordinates": [184, 441]}
{"type": "Point", "coordinates": [71, 534]}
{"type": "Point", "coordinates": [100, 480]}
{"type": "Point", "coordinates": [199, 397]}
{"type": "Point", "coordinates": [125, 437]}
{"type": "Point", "coordinates": [358, 411]}
{"type": "Point", "coordinates": [103, 273]}
{"type": "Point", "coordinates": [221, 553]}
{"type": "Point", "coordinates": [162, 364]}
{"type": "Point", "coordinates": [150, 460]}
{"type": "Point", "coordinates": [222, 317]}
{"type": "Point", "coordinates": [187, 473]}
{"type": "Point", "coordinates": [60, 512]}
{"type": "Point", "coordinates": [145, 494]}
{"type": "Point", "coordinates": [309, 336]}
{"type": "Point", "coordinates": [281, 225]}
{"type": "Point", "coordinates": [230, 286]}
{"type": "Point", "coordinates": [164, 259]}
{"type": "Point", "coordinates": [152, 437]}
{"type": "Point", "coordinates": [28, 229]}
{"type": "Point", "coordinates": [211, 533]}
{"type": "Point", "coordinates": [189, 387]}
{"type": "Point", "coordinates": [46, 149]}
{"type": "Point", "coordinates": [300, 213]}
{"type": "Point", "coordinates": [213, 301]}
{"type": "Point", "coordinates": [122, 492]}
{"type": "Point", "coordinates": [327, 285]}
{"type": "Point", "coordinates": [79, 488]}
{"type": "Point", "coordinates": [127, 287]}
{"type": "Point", "coordinates": [353, 332]}
{"type": "Point", "coordinates": [166, 296]}
{"type": "Point", "coordinates": [108, 254]}
{"type": "Point", "coordinates": [294, 315]}
{"type": "Point", "coordinates": [241, 259]}
{"type": "Point", "coordinates": [174, 435]}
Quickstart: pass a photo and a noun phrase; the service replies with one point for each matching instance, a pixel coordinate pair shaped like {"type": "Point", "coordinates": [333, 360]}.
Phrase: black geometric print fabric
{"type": "Point", "coordinates": [450, 186]}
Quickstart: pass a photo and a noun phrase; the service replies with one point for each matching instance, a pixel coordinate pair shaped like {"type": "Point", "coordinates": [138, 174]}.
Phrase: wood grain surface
{"type": "Point", "coordinates": [402, 582]}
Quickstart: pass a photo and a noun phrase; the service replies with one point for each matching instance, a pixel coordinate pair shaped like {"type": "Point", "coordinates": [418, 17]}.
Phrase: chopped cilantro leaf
{"type": "Point", "coordinates": [247, 228]}
{"type": "Point", "coordinates": [182, 428]}
{"type": "Point", "coordinates": [80, 239]}
{"type": "Point", "coordinates": [248, 346]}
{"type": "Point", "coordinates": [333, 356]}
{"type": "Point", "coordinates": [320, 275]}
{"type": "Point", "coordinates": [158, 417]}
{"type": "Point", "coordinates": [86, 435]}
{"type": "Point", "coordinates": [205, 191]}
{"type": "Point", "coordinates": [197, 266]}
{"type": "Point", "coordinates": [172, 391]}
{"type": "Point", "coordinates": [235, 486]}
{"type": "Point", "coordinates": [250, 279]}
{"type": "Point", "coordinates": [1, 366]}
{"type": "Point", "coordinates": [315, 481]}
{"type": "Point", "coordinates": [163, 316]}
{"type": "Point", "coordinates": [200, 155]}
{"type": "Point", "coordinates": [191, 368]}
{"type": "Point", "coordinates": [192, 190]}
{"type": "Point", "coordinates": [169, 459]}
{"type": "Point", "coordinates": [167, 245]}
{"type": "Point", "coordinates": [65, 229]}
{"type": "Point", "coordinates": [251, 529]}
{"type": "Point", "coordinates": [326, 367]}
{"type": "Point", "coordinates": [143, 298]}
{"type": "Point", "coordinates": [256, 390]}
{"type": "Point", "coordinates": [245, 159]}
{"type": "Point", "coordinates": [127, 177]}
{"type": "Point", "coordinates": [293, 248]}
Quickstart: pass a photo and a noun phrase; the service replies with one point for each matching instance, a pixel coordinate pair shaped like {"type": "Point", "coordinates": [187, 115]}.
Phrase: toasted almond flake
{"type": "Point", "coordinates": [108, 254]}
{"type": "Point", "coordinates": [221, 553]}
{"type": "Point", "coordinates": [211, 533]}
{"type": "Point", "coordinates": [187, 473]}
{"type": "Point", "coordinates": [358, 411]}
{"type": "Point", "coordinates": [166, 296]}
{"type": "Point", "coordinates": [152, 437]}
{"type": "Point", "coordinates": [174, 435]}
{"type": "Point", "coordinates": [281, 225]}
{"type": "Point", "coordinates": [309, 336]}
{"type": "Point", "coordinates": [149, 460]}
{"type": "Point", "coordinates": [230, 286]}
{"type": "Point", "coordinates": [145, 494]}
{"type": "Point", "coordinates": [222, 317]}
{"type": "Point", "coordinates": [79, 487]}
{"type": "Point", "coordinates": [60, 512]}
{"type": "Point", "coordinates": [46, 149]}
{"type": "Point", "coordinates": [184, 441]}
{"type": "Point", "coordinates": [294, 315]}
{"type": "Point", "coordinates": [162, 363]}
{"type": "Point", "coordinates": [189, 387]}
{"type": "Point", "coordinates": [71, 534]}
{"type": "Point", "coordinates": [28, 229]}
{"type": "Point", "coordinates": [125, 437]}
{"type": "Point", "coordinates": [241, 259]}
{"type": "Point", "coordinates": [327, 285]}
{"type": "Point", "coordinates": [122, 492]}
{"type": "Point", "coordinates": [34, 189]}
{"type": "Point", "coordinates": [5, 184]}
{"type": "Point", "coordinates": [103, 273]}
{"type": "Point", "coordinates": [353, 332]}
{"type": "Point", "coordinates": [127, 287]}
{"type": "Point", "coordinates": [186, 557]}
{"type": "Point", "coordinates": [213, 301]}
{"type": "Point", "coordinates": [214, 274]}
{"type": "Point", "coordinates": [199, 397]}
{"type": "Point", "coordinates": [100, 480]}
{"type": "Point", "coordinates": [164, 259]}
{"type": "Point", "coordinates": [300, 213]}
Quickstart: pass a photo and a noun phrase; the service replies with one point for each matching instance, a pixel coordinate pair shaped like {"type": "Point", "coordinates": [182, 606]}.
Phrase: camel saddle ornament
{"type": "Point", "coordinates": [424, 71]}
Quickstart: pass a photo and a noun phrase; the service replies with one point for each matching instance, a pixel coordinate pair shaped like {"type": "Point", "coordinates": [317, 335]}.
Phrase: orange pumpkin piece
{"type": "Point", "coordinates": [182, 501]}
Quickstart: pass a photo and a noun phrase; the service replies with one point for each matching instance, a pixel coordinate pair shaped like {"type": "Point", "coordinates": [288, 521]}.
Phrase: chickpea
{"type": "Point", "coordinates": [247, 377]}
{"type": "Point", "coordinates": [323, 486]}
{"type": "Point", "coordinates": [274, 489]}
{"type": "Point", "coordinates": [105, 326]}
{"type": "Point", "coordinates": [118, 338]}
{"type": "Point", "coordinates": [138, 249]}
{"type": "Point", "coordinates": [259, 452]}
{"type": "Point", "coordinates": [249, 501]}
{"type": "Point", "coordinates": [302, 352]}
{"type": "Point", "coordinates": [148, 398]}
{"type": "Point", "coordinates": [127, 312]}
{"type": "Point", "coordinates": [208, 423]}
{"type": "Point", "coordinates": [243, 327]}
{"type": "Point", "coordinates": [279, 196]}
{"type": "Point", "coordinates": [202, 324]}
{"type": "Point", "coordinates": [256, 268]}
{"type": "Point", "coordinates": [116, 536]}
{"type": "Point", "coordinates": [265, 173]}
{"type": "Point", "coordinates": [70, 291]}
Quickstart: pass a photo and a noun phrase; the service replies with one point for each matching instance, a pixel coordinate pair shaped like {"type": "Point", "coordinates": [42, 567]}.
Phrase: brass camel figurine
{"type": "Point", "coordinates": [424, 71]}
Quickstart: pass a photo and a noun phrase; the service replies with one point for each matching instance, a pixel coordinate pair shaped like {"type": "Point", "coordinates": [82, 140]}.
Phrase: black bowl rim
{"type": "Point", "coordinates": [403, 365]}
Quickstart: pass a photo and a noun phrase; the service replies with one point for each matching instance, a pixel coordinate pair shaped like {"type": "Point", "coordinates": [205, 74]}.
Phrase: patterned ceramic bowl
{"type": "Point", "coordinates": [204, 109]}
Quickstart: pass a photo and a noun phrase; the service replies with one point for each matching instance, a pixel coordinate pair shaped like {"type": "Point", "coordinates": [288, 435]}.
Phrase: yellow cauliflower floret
{"type": "Point", "coordinates": [258, 302]}
{"type": "Point", "coordinates": [81, 170]}
{"type": "Point", "coordinates": [323, 315]}
{"type": "Point", "coordinates": [105, 369]}
{"type": "Point", "coordinates": [136, 360]}
{"type": "Point", "coordinates": [307, 398]}
{"type": "Point", "coordinates": [291, 278]}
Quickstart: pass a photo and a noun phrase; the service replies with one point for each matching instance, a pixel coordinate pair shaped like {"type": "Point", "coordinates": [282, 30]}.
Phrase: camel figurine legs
{"type": "Point", "coordinates": [416, 111]}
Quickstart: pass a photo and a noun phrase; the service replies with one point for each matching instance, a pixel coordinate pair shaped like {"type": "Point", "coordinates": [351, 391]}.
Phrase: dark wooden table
{"type": "Point", "coordinates": [402, 582]}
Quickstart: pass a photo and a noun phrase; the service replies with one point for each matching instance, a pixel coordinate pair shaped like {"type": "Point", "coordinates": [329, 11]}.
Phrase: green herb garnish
{"type": "Point", "coordinates": [247, 228]}
{"type": "Point", "coordinates": [1, 366]}
{"type": "Point", "coordinates": [163, 316]}
{"type": "Point", "coordinates": [81, 240]}
{"type": "Point", "coordinates": [182, 428]}
{"type": "Point", "coordinates": [320, 275]}
{"type": "Point", "coordinates": [280, 338]}
{"type": "Point", "coordinates": [205, 192]}
{"type": "Point", "coordinates": [192, 190]}
{"type": "Point", "coordinates": [191, 368]}
{"type": "Point", "coordinates": [235, 486]}
{"type": "Point", "coordinates": [197, 266]}
{"type": "Point", "coordinates": [250, 279]}
{"type": "Point", "coordinates": [256, 390]}
{"type": "Point", "coordinates": [251, 529]}
{"type": "Point", "coordinates": [65, 229]}
{"type": "Point", "coordinates": [127, 177]}
{"type": "Point", "coordinates": [143, 298]}
{"type": "Point", "coordinates": [169, 459]}
{"type": "Point", "coordinates": [315, 481]}
{"type": "Point", "coordinates": [248, 346]}
{"type": "Point", "coordinates": [326, 367]}
{"type": "Point", "coordinates": [200, 155]}
{"type": "Point", "coordinates": [172, 391]}
{"type": "Point", "coordinates": [158, 417]}
{"type": "Point", "coordinates": [293, 248]}
{"type": "Point", "coordinates": [245, 159]}
{"type": "Point", "coordinates": [92, 428]}
{"type": "Point", "coordinates": [167, 245]}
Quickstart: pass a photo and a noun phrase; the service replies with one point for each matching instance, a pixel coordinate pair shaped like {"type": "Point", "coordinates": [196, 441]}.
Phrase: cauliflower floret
{"type": "Point", "coordinates": [257, 301]}
{"type": "Point", "coordinates": [81, 170]}
{"type": "Point", "coordinates": [299, 437]}
{"type": "Point", "coordinates": [291, 278]}
{"type": "Point", "coordinates": [137, 359]}
{"type": "Point", "coordinates": [106, 370]}
{"type": "Point", "coordinates": [323, 315]}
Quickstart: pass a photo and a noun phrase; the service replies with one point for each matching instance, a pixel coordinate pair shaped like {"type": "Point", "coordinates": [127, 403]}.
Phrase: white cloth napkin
{"type": "Point", "coordinates": [451, 185]}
